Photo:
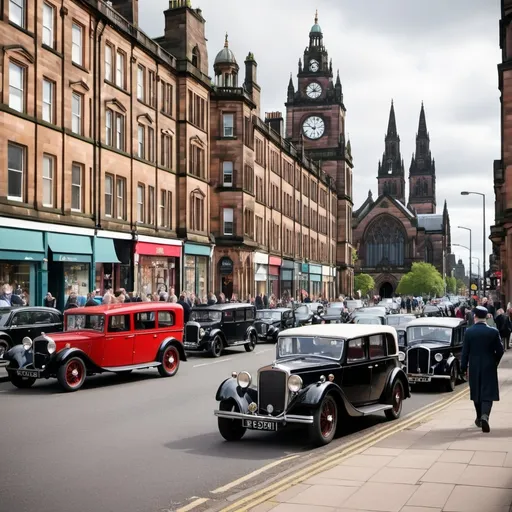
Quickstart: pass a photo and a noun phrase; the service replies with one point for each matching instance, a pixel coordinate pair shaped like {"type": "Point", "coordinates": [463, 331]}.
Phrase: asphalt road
{"type": "Point", "coordinates": [134, 444]}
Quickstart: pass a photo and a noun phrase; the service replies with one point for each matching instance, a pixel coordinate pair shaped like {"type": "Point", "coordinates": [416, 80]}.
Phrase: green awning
{"type": "Point", "coordinates": [70, 248]}
{"type": "Point", "coordinates": [197, 250]}
{"type": "Point", "coordinates": [104, 251]}
{"type": "Point", "coordinates": [21, 244]}
{"type": "Point", "coordinates": [315, 278]}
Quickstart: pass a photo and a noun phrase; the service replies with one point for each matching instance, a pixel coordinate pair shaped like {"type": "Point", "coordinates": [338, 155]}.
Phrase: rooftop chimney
{"type": "Point", "coordinates": [128, 9]}
{"type": "Point", "coordinates": [275, 121]}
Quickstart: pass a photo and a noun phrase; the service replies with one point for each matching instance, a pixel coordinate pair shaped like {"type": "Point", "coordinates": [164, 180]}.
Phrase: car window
{"type": "Point", "coordinates": [42, 317]}
{"type": "Point", "coordinates": [249, 314]}
{"type": "Point", "coordinates": [356, 351]}
{"type": "Point", "coordinates": [377, 348]}
{"type": "Point", "coordinates": [401, 339]}
{"type": "Point", "coordinates": [228, 316]}
{"type": "Point", "coordinates": [23, 318]}
{"type": "Point", "coordinates": [165, 319]}
{"type": "Point", "coordinates": [145, 320]}
{"type": "Point", "coordinates": [119, 323]}
{"type": "Point", "coordinates": [286, 315]}
{"type": "Point", "coordinates": [56, 319]}
{"type": "Point", "coordinates": [239, 315]}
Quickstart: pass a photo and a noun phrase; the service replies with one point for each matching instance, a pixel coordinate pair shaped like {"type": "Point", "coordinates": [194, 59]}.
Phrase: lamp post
{"type": "Point", "coordinates": [467, 193]}
{"type": "Point", "coordinates": [470, 254]}
{"type": "Point", "coordinates": [464, 247]}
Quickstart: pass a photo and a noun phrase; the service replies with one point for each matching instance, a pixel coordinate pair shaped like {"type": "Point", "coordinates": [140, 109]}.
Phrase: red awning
{"type": "Point", "coordinates": [273, 270]}
{"type": "Point", "coordinates": [274, 260]}
{"type": "Point", "coordinates": [147, 249]}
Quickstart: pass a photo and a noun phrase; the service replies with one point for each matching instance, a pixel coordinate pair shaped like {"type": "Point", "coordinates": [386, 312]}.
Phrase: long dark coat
{"type": "Point", "coordinates": [482, 351]}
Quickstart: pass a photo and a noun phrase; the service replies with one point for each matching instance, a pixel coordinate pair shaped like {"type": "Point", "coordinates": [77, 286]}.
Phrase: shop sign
{"type": "Point", "coordinates": [160, 251]}
{"type": "Point", "coordinates": [226, 265]}
{"type": "Point", "coordinates": [68, 258]}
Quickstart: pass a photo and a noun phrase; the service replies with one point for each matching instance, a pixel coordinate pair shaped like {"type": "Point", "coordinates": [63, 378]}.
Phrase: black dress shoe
{"type": "Point", "coordinates": [485, 425]}
{"type": "Point", "coordinates": [478, 423]}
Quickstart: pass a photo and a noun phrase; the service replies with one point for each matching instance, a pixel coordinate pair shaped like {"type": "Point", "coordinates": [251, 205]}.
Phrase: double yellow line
{"type": "Point", "coordinates": [336, 456]}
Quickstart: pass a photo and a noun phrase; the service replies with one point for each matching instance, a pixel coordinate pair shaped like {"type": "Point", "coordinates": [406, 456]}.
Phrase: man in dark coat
{"type": "Point", "coordinates": [186, 308]}
{"type": "Point", "coordinates": [482, 352]}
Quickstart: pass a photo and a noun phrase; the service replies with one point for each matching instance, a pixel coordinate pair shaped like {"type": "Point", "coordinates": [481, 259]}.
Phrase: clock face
{"type": "Point", "coordinates": [313, 90]}
{"type": "Point", "coordinates": [313, 65]}
{"type": "Point", "coordinates": [313, 127]}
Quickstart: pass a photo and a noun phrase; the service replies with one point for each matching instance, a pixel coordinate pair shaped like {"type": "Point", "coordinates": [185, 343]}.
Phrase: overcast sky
{"type": "Point", "coordinates": [442, 52]}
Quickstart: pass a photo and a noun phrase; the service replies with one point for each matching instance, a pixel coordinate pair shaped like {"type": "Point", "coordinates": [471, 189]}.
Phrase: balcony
{"type": "Point", "coordinates": [230, 92]}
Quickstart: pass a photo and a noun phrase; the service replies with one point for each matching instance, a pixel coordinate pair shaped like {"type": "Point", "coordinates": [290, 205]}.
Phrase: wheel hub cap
{"type": "Point", "coordinates": [329, 418]}
{"type": "Point", "coordinates": [397, 397]}
{"type": "Point", "coordinates": [171, 359]}
{"type": "Point", "coordinates": [74, 372]}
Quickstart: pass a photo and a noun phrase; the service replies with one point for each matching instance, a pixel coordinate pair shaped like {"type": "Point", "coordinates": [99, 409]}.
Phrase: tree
{"type": "Point", "coordinates": [423, 279]}
{"type": "Point", "coordinates": [364, 283]}
{"type": "Point", "coordinates": [355, 257]}
{"type": "Point", "coordinates": [451, 285]}
{"type": "Point", "coordinates": [461, 287]}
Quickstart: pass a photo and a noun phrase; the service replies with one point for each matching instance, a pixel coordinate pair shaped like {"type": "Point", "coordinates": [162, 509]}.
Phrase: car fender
{"type": "Point", "coordinates": [5, 337]}
{"type": "Point", "coordinates": [453, 360]}
{"type": "Point", "coordinates": [19, 356]}
{"type": "Point", "coordinates": [230, 390]}
{"type": "Point", "coordinates": [59, 358]}
{"type": "Point", "coordinates": [250, 330]}
{"type": "Point", "coordinates": [397, 373]}
{"type": "Point", "coordinates": [175, 343]}
{"type": "Point", "coordinates": [216, 332]}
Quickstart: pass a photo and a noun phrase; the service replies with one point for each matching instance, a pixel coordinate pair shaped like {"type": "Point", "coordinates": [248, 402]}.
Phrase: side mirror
{"type": "Point", "coordinates": [401, 356]}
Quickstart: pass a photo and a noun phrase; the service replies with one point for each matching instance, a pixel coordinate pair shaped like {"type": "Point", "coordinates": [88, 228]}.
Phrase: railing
{"type": "Point", "coordinates": [233, 91]}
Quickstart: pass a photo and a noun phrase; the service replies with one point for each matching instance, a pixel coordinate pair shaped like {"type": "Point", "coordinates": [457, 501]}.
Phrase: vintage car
{"type": "Point", "coordinates": [309, 313]}
{"type": "Point", "coordinates": [18, 322]}
{"type": "Point", "coordinates": [400, 319]}
{"type": "Point", "coordinates": [270, 322]}
{"type": "Point", "coordinates": [432, 310]}
{"type": "Point", "coordinates": [322, 375]}
{"type": "Point", "coordinates": [390, 305]}
{"type": "Point", "coordinates": [214, 328]}
{"type": "Point", "coordinates": [367, 319]}
{"type": "Point", "coordinates": [434, 348]}
{"type": "Point", "coordinates": [117, 338]}
{"type": "Point", "coordinates": [333, 315]}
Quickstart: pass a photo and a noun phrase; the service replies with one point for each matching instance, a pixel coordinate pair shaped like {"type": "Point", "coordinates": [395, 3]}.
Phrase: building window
{"type": "Point", "coordinates": [228, 221]}
{"type": "Point", "coordinates": [120, 198]}
{"type": "Point", "coordinates": [48, 23]}
{"type": "Point", "coordinates": [48, 100]}
{"type": "Point", "coordinates": [196, 58]}
{"type": "Point", "coordinates": [119, 132]}
{"type": "Point", "coordinates": [151, 144]}
{"type": "Point", "coordinates": [228, 121]}
{"type": "Point", "coordinates": [197, 110]}
{"type": "Point", "coordinates": [16, 87]}
{"type": "Point", "coordinates": [108, 127]}
{"type": "Point", "coordinates": [197, 161]}
{"type": "Point", "coordinates": [141, 72]}
{"type": "Point", "coordinates": [17, 12]}
{"type": "Point", "coordinates": [120, 69]}
{"type": "Point", "coordinates": [385, 243]}
{"type": "Point", "coordinates": [140, 203]}
{"type": "Point", "coordinates": [166, 151]}
{"type": "Point", "coordinates": [109, 194]}
{"type": "Point", "coordinates": [151, 205]}
{"type": "Point", "coordinates": [108, 62]}
{"type": "Point", "coordinates": [151, 88]}
{"type": "Point", "coordinates": [163, 208]}
{"type": "Point", "coordinates": [249, 223]}
{"type": "Point", "coordinates": [167, 97]}
{"type": "Point", "coordinates": [227, 174]}
{"type": "Point", "coordinates": [76, 187]}
{"type": "Point", "coordinates": [48, 171]}
{"type": "Point", "coordinates": [249, 178]}
{"type": "Point", "coordinates": [141, 146]}
{"type": "Point", "coordinates": [77, 49]}
{"type": "Point", "coordinates": [15, 172]}
{"type": "Point", "coordinates": [76, 112]}
{"type": "Point", "coordinates": [197, 211]}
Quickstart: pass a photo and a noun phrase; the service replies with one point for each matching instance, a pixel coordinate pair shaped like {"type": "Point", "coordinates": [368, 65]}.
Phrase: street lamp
{"type": "Point", "coordinates": [466, 193]}
{"type": "Point", "coordinates": [465, 247]}
{"type": "Point", "coordinates": [470, 254]}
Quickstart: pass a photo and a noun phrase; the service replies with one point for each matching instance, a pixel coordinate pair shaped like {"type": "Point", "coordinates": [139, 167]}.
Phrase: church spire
{"type": "Point", "coordinates": [316, 17]}
{"type": "Point", "coordinates": [422, 127]}
{"type": "Point", "coordinates": [226, 42]}
{"type": "Point", "coordinates": [392, 132]}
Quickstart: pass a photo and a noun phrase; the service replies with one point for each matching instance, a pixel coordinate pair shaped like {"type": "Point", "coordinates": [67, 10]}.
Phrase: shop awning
{"type": "Point", "coordinates": [104, 251]}
{"type": "Point", "coordinates": [70, 248]}
{"type": "Point", "coordinates": [147, 249]}
{"type": "Point", "coordinates": [21, 244]}
{"type": "Point", "coordinates": [197, 250]}
{"type": "Point", "coordinates": [261, 274]}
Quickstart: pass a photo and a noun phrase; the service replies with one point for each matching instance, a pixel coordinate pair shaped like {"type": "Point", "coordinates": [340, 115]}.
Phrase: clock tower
{"type": "Point", "coordinates": [315, 122]}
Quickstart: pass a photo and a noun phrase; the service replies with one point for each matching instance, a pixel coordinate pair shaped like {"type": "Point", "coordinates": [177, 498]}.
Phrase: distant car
{"type": "Point", "coordinates": [18, 322]}
{"type": "Point", "coordinates": [214, 328]}
{"type": "Point", "coordinates": [367, 319]}
{"type": "Point", "coordinates": [352, 305]}
{"type": "Point", "coordinates": [306, 314]}
{"type": "Point", "coordinates": [432, 310]}
{"type": "Point", "coordinates": [118, 338]}
{"type": "Point", "coordinates": [371, 310]}
{"type": "Point", "coordinates": [333, 315]}
{"type": "Point", "coordinates": [323, 375]}
{"type": "Point", "coordinates": [270, 322]}
{"type": "Point", "coordinates": [434, 349]}
{"type": "Point", "coordinates": [400, 319]}
{"type": "Point", "coordinates": [390, 305]}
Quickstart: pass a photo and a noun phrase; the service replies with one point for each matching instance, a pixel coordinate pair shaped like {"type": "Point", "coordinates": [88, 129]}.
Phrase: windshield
{"type": "Point", "coordinates": [401, 338]}
{"type": "Point", "coordinates": [368, 320]}
{"type": "Point", "coordinates": [4, 316]}
{"type": "Point", "coordinates": [85, 322]}
{"type": "Point", "coordinates": [429, 333]}
{"type": "Point", "coordinates": [302, 310]}
{"type": "Point", "coordinates": [333, 311]}
{"type": "Point", "coordinates": [400, 320]}
{"type": "Point", "coordinates": [268, 315]}
{"type": "Point", "coordinates": [325, 347]}
{"type": "Point", "coordinates": [205, 315]}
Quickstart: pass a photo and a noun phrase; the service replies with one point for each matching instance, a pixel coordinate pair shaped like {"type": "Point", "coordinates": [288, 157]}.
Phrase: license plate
{"type": "Point", "coordinates": [28, 373]}
{"type": "Point", "coordinates": [260, 425]}
{"type": "Point", "coordinates": [189, 344]}
{"type": "Point", "coordinates": [419, 379]}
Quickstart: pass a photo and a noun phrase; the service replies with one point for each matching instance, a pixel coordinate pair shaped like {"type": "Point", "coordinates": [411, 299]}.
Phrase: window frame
{"type": "Point", "coordinates": [23, 9]}
{"type": "Point", "coordinates": [109, 116]}
{"type": "Point", "coordinates": [151, 206]}
{"type": "Point", "coordinates": [230, 213]}
{"type": "Point", "coordinates": [226, 173]}
{"type": "Point", "coordinates": [51, 180]}
{"type": "Point", "coordinates": [74, 96]}
{"type": "Point", "coordinates": [75, 25]}
{"type": "Point", "coordinates": [141, 203]}
{"type": "Point", "coordinates": [120, 208]}
{"type": "Point", "coordinates": [225, 133]}
{"type": "Point", "coordinates": [21, 87]}
{"type": "Point", "coordinates": [141, 141]}
{"type": "Point", "coordinates": [120, 132]}
{"type": "Point", "coordinates": [80, 186]}
{"type": "Point", "coordinates": [49, 105]}
{"type": "Point", "coordinates": [383, 345]}
{"type": "Point", "coordinates": [109, 177]}
{"type": "Point", "coordinates": [141, 83]}
{"type": "Point", "coordinates": [364, 347]}
{"type": "Point", "coordinates": [21, 171]}
{"type": "Point", "coordinates": [120, 70]}
{"type": "Point", "coordinates": [46, 29]}
{"type": "Point", "coordinates": [109, 50]}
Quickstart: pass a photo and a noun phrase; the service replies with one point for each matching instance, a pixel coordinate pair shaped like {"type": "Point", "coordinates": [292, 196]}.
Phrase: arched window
{"type": "Point", "coordinates": [393, 188]}
{"type": "Point", "coordinates": [385, 242]}
{"type": "Point", "coordinates": [425, 188]}
{"type": "Point", "coordinates": [417, 189]}
{"type": "Point", "coordinates": [197, 210]}
{"type": "Point", "coordinates": [429, 252]}
{"type": "Point", "coordinates": [196, 57]}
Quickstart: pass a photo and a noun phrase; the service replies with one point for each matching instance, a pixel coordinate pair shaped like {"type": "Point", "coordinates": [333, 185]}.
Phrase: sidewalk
{"type": "Point", "coordinates": [445, 464]}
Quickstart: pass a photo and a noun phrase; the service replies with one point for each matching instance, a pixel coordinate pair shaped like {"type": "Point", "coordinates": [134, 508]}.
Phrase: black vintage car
{"type": "Point", "coordinates": [434, 348]}
{"type": "Point", "coordinates": [270, 322]}
{"type": "Point", "coordinates": [310, 313]}
{"type": "Point", "coordinates": [322, 376]}
{"type": "Point", "coordinates": [333, 315]}
{"type": "Point", "coordinates": [16, 323]}
{"type": "Point", "coordinates": [367, 319]}
{"type": "Point", "coordinates": [213, 328]}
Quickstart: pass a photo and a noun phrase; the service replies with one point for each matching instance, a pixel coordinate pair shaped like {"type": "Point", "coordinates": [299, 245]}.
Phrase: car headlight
{"type": "Point", "coordinates": [294, 383]}
{"type": "Point", "coordinates": [244, 379]}
{"type": "Point", "coordinates": [27, 343]}
{"type": "Point", "coordinates": [51, 346]}
{"type": "Point", "coordinates": [438, 357]}
{"type": "Point", "coordinates": [401, 356]}
{"type": "Point", "coordinates": [202, 332]}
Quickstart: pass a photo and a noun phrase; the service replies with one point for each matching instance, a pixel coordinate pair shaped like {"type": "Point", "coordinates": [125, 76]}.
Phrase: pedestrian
{"type": "Point", "coordinates": [186, 308]}
{"type": "Point", "coordinates": [408, 304]}
{"type": "Point", "coordinates": [9, 297]}
{"type": "Point", "coordinates": [90, 300]}
{"type": "Point", "coordinates": [72, 301]}
{"type": "Point", "coordinates": [504, 326]}
{"type": "Point", "coordinates": [50, 301]}
{"type": "Point", "coordinates": [481, 354]}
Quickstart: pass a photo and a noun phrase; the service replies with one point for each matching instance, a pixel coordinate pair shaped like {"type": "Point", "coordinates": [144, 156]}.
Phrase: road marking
{"type": "Point", "coordinates": [263, 351]}
{"type": "Point", "coordinates": [213, 362]}
{"type": "Point", "coordinates": [252, 475]}
{"type": "Point", "coordinates": [347, 451]}
{"type": "Point", "coordinates": [192, 505]}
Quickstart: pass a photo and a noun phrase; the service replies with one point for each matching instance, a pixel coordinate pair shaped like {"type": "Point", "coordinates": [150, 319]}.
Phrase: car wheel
{"type": "Point", "coordinates": [249, 347]}
{"type": "Point", "coordinates": [4, 347]}
{"type": "Point", "coordinates": [325, 420]}
{"type": "Point", "coordinates": [20, 382]}
{"type": "Point", "coordinates": [71, 375]}
{"type": "Point", "coordinates": [230, 430]}
{"type": "Point", "coordinates": [397, 398]}
{"type": "Point", "coordinates": [450, 384]}
{"type": "Point", "coordinates": [170, 362]}
{"type": "Point", "coordinates": [217, 347]}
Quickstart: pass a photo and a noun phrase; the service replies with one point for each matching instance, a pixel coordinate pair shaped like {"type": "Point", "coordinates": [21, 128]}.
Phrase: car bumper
{"type": "Point", "coordinates": [420, 377]}
{"type": "Point", "coordinates": [196, 347]}
{"type": "Point", "coordinates": [283, 419]}
{"type": "Point", "coordinates": [265, 337]}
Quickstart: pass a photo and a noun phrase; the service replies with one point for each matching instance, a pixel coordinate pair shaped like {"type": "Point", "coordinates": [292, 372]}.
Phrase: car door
{"type": "Point", "coordinates": [229, 326]}
{"type": "Point", "coordinates": [22, 323]}
{"type": "Point", "coordinates": [240, 324]}
{"type": "Point", "coordinates": [119, 341]}
{"type": "Point", "coordinates": [357, 374]}
{"type": "Point", "coordinates": [146, 335]}
{"type": "Point", "coordinates": [379, 365]}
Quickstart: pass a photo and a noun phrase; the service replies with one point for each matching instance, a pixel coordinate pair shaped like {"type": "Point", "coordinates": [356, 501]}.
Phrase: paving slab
{"type": "Point", "coordinates": [478, 499]}
{"type": "Point", "coordinates": [368, 461]}
{"type": "Point", "coordinates": [398, 475]}
{"type": "Point", "coordinates": [486, 476]}
{"type": "Point", "coordinates": [444, 473]}
{"type": "Point", "coordinates": [488, 459]}
{"type": "Point", "coordinates": [323, 495]}
{"type": "Point", "coordinates": [382, 497]}
{"type": "Point", "coordinates": [460, 456]}
{"type": "Point", "coordinates": [431, 495]}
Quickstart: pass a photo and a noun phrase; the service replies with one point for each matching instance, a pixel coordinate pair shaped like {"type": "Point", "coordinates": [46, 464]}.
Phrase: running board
{"type": "Point", "coordinates": [373, 409]}
{"type": "Point", "coordinates": [131, 367]}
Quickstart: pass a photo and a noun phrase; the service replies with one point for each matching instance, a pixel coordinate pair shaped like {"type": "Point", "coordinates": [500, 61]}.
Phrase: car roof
{"type": "Point", "coordinates": [119, 309]}
{"type": "Point", "coordinates": [27, 308]}
{"type": "Point", "coordinates": [339, 330]}
{"type": "Point", "coordinates": [280, 310]}
{"type": "Point", "coordinates": [223, 307]}
{"type": "Point", "coordinates": [436, 322]}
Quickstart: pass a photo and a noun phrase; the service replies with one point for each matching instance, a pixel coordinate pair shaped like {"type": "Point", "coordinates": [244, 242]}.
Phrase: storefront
{"type": "Point", "coordinates": [274, 271]}
{"type": "Point", "coordinates": [328, 283]}
{"type": "Point", "coordinates": [114, 261]}
{"type": "Point", "coordinates": [287, 281]}
{"type": "Point", "coordinates": [260, 261]}
{"type": "Point", "coordinates": [315, 281]}
{"type": "Point", "coordinates": [21, 262]}
{"type": "Point", "coordinates": [226, 268]}
{"type": "Point", "coordinates": [196, 269]}
{"type": "Point", "coordinates": [157, 265]}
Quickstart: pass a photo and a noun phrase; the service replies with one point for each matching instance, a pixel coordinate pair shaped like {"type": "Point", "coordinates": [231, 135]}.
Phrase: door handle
{"type": "Point", "coordinates": [155, 335]}
{"type": "Point", "coordinates": [376, 365]}
{"type": "Point", "coordinates": [130, 336]}
{"type": "Point", "coordinates": [370, 367]}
